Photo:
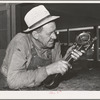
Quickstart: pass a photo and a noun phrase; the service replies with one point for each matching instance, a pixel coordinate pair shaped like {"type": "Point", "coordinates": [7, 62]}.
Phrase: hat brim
{"type": "Point", "coordinates": [46, 20]}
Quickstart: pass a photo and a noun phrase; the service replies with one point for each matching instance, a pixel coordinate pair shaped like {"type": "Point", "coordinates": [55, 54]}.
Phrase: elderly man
{"type": "Point", "coordinates": [33, 55]}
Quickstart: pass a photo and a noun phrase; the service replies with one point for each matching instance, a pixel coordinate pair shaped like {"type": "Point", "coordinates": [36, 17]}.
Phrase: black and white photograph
{"type": "Point", "coordinates": [49, 46]}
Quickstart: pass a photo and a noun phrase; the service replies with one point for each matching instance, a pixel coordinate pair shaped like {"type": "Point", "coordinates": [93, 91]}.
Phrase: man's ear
{"type": "Point", "coordinates": [35, 34]}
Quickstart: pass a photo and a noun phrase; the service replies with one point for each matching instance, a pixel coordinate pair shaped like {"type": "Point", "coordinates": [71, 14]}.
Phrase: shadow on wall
{"type": "Point", "coordinates": [2, 55]}
{"type": "Point", "coordinates": [2, 79]}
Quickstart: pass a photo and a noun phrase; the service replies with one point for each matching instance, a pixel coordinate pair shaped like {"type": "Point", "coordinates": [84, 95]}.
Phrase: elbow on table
{"type": "Point", "coordinates": [13, 84]}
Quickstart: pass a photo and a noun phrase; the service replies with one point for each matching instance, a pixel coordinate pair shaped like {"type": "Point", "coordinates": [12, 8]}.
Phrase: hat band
{"type": "Point", "coordinates": [38, 22]}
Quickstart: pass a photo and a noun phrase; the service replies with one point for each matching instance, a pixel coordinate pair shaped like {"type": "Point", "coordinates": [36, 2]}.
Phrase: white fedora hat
{"type": "Point", "coordinates": [37, 17]}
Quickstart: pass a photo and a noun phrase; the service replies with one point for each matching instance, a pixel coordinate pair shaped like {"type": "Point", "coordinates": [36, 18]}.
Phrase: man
{"type": "Point", "coordinates": [33, 55]}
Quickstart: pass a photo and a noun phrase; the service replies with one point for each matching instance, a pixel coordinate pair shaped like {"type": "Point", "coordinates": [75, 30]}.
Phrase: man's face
{"type": "Point", "coordinates": [47, 35]}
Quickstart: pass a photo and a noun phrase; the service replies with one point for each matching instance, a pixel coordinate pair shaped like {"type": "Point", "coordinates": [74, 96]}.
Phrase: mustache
{"type": "Point", "coordinates": [51, 40]}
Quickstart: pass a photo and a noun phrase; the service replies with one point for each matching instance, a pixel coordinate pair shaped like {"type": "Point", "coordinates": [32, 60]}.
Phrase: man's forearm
{"type": "Point", "coordinates": [29, 78]}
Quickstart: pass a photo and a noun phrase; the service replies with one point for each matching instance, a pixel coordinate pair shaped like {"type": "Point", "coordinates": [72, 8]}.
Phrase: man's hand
{"type": "Point", "coordinates": [75, 54]}
{"type": "Point", "coordinates": [58, 67]}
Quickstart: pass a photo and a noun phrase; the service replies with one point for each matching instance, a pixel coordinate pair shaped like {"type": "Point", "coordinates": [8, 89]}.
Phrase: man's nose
{"type": "Point", "coordinates": [53, 35]}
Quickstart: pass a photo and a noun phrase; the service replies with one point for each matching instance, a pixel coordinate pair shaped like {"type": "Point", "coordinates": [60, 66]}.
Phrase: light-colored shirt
{"type": "Point", "coordinates": [17, 60]}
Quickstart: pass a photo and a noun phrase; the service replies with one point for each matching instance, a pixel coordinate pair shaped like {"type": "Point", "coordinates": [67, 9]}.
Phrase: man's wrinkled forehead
{"type": "Point", "coordinates": [50, 25]}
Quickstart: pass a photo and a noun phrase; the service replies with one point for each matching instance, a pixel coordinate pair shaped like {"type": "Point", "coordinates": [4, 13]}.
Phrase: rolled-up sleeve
{"type": "Point", "coordinates": [18, 76]}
